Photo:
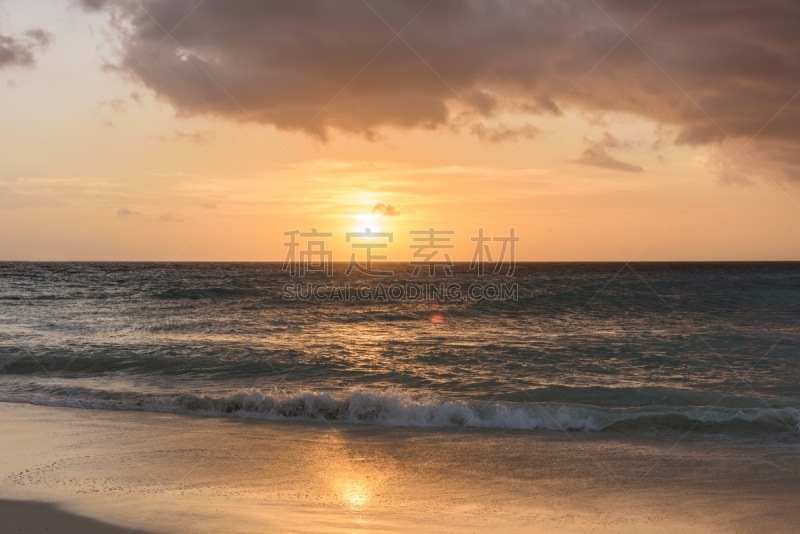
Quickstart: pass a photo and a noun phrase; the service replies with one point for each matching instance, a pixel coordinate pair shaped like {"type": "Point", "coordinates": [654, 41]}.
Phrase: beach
{"type": "Point", "coordinates": [151, 472]}
{"type": "Point", "coordinates": [394, 266]}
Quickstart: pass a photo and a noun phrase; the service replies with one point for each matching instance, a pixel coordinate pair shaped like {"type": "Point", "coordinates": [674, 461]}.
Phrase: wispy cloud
{"type": "Point", "coordinates": [502, 132]}
{"type": "Point", "coordinates": [21, 51]}
{"type": "Point", "coordinates": [597, 155]}
{"type": "Point", "coordinates": [198, 137]}
{"type": "Point", "coordinates": [126, 213]}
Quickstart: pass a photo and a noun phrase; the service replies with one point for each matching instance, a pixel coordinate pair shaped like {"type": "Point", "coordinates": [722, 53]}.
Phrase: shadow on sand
{"type": "Point", "coordinates": [44, 518]}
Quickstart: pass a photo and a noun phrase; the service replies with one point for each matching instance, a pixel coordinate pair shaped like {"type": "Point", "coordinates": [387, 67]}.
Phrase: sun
{"type": "Point", "coordinates": [366, 221]}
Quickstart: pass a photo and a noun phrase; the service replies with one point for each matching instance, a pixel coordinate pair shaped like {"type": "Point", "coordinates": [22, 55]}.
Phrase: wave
{"type": "Point", "coordinates": [398, 408]}
{"type": "Point", "coordinates": [205, 292]}
{"type": "Point", "coordinates": [115, 360]}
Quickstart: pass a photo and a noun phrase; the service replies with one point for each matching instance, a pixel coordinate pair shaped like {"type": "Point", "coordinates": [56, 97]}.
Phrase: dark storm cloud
{"type": "Point", "coordinates": [713, 68]}
{"type": "Point", "coordinates": [21, 51]}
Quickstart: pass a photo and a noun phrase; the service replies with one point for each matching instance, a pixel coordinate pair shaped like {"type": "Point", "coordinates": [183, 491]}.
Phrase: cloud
{"type": "Point", "coordinates": [387, 210]}
{"type": "Point", "coordinates": [125, 213]}
{"type": "Point", "coordinates": [170, 218]}
{"type": "Point", "coordinates": [596, 155]}
{"type": "Point", "coordinates": [501, 132]}
{"type": "Point", "coordinates": [39, 37]}
{"type": "Point", "coordinates": [198, 137]}
{"type": "Point", "coordinates": [21, 52]}
{"type": "Point", "coordinates": [719, 71]}
{"type": "Point", "coordinates": [483, 102]}
{"type": "Point", "coordinates": [116, 104]}
{"type": "Point", "coordinates": [92, 5]}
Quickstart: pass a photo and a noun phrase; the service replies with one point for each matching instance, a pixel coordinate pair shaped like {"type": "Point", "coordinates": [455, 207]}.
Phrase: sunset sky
{"type": "Point", "coordinates": [204, 130]}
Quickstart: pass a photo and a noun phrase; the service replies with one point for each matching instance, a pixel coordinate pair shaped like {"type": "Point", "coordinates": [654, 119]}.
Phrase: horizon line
{"type": "Point", "coordinates": [461, 262]}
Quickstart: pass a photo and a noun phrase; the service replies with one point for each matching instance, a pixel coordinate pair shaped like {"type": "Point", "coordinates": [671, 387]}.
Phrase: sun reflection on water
{"type": "Point", "coordinates": [354, 480]}
{"type": "Point", "coordinates": [354, 494]}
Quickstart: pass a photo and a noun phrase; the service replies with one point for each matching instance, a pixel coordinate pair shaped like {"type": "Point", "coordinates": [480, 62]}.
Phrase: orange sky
{"type": "Point", "coordinates": [107, 156]}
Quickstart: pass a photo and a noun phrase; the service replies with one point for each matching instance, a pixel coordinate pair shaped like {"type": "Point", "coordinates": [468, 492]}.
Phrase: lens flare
{"type": "Point", "coordinates": [437, 318]}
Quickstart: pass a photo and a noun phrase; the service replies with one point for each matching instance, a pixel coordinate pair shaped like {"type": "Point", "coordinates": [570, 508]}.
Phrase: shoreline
{"type": "Point", "coordinates": [397, 408]}
{"type": "Point", "coordinates": [179, 473]}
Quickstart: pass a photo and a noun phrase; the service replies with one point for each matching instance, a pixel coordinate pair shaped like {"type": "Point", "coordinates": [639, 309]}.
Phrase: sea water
{"type": "Point", "coordinates": [601, 347]}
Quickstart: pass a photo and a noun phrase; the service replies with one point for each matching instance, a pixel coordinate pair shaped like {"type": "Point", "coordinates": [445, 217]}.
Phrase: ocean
{"type": "Point", "coordinates": [684, 348]}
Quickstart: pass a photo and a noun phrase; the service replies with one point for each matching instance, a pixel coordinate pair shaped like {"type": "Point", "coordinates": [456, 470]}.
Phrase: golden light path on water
{"type": "Point", "coordinates": [355, 494]}
{"type": "Point", "coordinates": [356, 480]}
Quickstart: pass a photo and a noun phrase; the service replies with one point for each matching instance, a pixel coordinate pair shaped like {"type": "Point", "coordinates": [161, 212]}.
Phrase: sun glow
{"type": "Point", "coordinates": [355, 495]}
{"type": "Point", "coordinates": [365, 222]}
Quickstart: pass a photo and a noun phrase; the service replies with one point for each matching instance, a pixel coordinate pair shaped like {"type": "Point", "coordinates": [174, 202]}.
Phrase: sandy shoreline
{"type": "Point", "coordinates": [171, 473]}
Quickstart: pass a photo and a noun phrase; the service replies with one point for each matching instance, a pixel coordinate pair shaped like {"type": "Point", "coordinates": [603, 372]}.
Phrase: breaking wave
{"type": "Point", "coordinates": [397, 408]}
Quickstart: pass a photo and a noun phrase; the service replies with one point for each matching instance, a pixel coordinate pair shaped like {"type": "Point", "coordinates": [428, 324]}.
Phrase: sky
{"type": "Point", "coordinates": [599, 130]}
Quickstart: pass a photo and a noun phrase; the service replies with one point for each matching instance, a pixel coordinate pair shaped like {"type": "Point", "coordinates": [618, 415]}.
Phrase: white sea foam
{"type": "Point", "coordinates": [398, 408]}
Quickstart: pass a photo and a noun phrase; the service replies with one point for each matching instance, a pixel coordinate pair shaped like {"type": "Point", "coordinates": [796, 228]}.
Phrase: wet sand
{"type": "Point", "coordinates": [174, 473]}
{"type": "Point", "coordinates": [38, 517]}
